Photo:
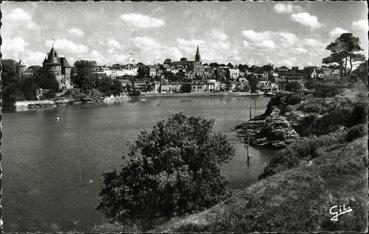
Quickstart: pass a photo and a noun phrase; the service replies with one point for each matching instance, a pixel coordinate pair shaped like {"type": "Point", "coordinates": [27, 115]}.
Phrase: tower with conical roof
{"type": "Point", "coordinates": [59, 67]}
{"type": "Point", "coordinates": [197, 55]}
{"type": "Point", "coordinates": [20, 68]}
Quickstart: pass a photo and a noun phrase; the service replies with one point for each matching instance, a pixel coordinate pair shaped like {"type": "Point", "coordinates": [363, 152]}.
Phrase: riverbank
{"type": "Point", "coordinates": [46, 104]}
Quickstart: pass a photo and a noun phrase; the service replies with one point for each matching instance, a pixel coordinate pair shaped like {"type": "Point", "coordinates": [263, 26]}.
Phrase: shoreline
{"type": "Point", "coordinates": [28, 105]}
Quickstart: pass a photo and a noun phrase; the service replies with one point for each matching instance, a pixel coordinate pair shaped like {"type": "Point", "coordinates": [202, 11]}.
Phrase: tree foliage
{"type": "Point", "coordinates": [172, 170]}
{"type": "Point", "coordinates": [344, 50]}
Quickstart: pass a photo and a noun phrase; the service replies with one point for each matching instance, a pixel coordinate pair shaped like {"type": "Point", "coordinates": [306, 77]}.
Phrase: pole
{"type": "Point", "coordinates": [250, 112]}
{"type": "Point", "coordinates": [255, 107]}
{"type": "Point", "coordinates": [248, 143]}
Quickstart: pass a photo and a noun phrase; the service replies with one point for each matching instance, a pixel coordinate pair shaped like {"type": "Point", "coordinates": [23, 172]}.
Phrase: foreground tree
{"type": "Point", "coordinates": [172, 170]}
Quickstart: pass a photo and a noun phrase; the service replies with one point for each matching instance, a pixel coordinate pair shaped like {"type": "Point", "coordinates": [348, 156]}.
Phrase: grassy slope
{"type": "Point", "coordinates": [298, 199]}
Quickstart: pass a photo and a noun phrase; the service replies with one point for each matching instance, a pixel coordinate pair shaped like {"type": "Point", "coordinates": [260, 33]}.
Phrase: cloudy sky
{"type": "Point", "coordinates": [291, 33]}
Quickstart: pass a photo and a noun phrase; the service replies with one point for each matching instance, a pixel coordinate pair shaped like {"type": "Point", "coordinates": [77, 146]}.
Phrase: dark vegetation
{"type": "Point", "coordinates": [172, 170]}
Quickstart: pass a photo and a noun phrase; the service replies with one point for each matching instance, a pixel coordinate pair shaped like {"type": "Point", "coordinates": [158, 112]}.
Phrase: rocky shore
{"type": "Point", "coordinates": [274, 128]}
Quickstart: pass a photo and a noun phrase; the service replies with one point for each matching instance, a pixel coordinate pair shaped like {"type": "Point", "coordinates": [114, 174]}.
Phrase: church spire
{"type": "Point", "coordinates": [197, 56]}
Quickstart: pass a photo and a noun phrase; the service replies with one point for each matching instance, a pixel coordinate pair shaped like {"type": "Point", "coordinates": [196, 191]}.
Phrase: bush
{"type": "Point", "coordinates": [302, 149]}
{"type": "Point", "coordinates": [356, 132]}
{"type": "Point", "coordinates": [294, 99]}
{"type": "Point", "coordinates": [311, 108]}
{"type": "Point", "coordinates": [172, 170]}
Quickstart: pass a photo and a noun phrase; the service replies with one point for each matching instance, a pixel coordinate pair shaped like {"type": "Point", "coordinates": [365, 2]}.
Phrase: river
{"type": "Point", "coordinates": [52, 169]}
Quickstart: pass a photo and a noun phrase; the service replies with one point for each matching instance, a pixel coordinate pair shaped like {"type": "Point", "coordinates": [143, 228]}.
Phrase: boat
{"type": "Point", "coordinates": [134, 93]}
{"type": "Point", "coordinates": [269, 94]}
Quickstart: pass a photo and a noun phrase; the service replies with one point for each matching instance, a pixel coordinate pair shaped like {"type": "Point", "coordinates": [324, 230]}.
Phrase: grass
{"type": "Point", "coordinates": [294, 200]}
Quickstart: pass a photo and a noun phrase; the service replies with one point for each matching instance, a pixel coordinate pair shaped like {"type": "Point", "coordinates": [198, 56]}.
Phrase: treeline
{"type": "Point", "coordinates": [84, 79]}
{"type": "Point", "coordinates": [18, 88]}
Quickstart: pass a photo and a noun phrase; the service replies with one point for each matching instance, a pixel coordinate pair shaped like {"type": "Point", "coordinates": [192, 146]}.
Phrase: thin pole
{"type": "Point", "coordinates": [255, 107]}
{"type": "Point", "coordinates": [250, 112]}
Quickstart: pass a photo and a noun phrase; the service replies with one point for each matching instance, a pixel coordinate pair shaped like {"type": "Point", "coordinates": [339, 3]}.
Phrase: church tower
{"type": "Point", "coordinates": [197, 56]}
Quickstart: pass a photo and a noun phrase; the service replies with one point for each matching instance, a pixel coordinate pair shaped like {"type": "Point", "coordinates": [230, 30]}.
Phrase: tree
{"type": "Point", "coordinates": [293, 86]}
{"type": "Point", "coordinates": [344, 50]}
{"type": "Point", "coordinates": [84, 78]}
{"type": "Point", "coordinates": [143, 71]}
{"type": "Point", "coordinates": [172, 170]}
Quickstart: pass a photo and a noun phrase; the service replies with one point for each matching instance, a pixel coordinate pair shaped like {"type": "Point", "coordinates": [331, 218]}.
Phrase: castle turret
{"type": "Point", "coordinates": [20, 68]}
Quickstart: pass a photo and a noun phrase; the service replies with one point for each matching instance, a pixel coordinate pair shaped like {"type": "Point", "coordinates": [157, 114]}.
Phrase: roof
{"type": "Point", "coordinates": [63, 61]}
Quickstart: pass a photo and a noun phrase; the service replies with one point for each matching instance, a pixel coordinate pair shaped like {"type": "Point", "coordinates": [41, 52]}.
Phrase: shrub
{"type": "Point", "coordinates": [302, 149]}
{"type": "Point", "coordinates": [295, 98]}
{"type": "Point", "coordinates": [172, 170]}
{"type": "Point", "coordinates": [356, 132]}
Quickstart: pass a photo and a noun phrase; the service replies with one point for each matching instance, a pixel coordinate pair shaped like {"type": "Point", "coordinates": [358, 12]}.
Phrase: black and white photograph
{"type": "Point", "coordinates": [184, 116]}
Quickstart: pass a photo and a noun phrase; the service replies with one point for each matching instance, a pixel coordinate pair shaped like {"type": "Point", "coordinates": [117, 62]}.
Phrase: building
{"type": "Point", "coordinates": [234, 73]}
{"type": "Point", "coordinates": [20, 68]}
{"type": "Point", "coordinates": [59, 67]}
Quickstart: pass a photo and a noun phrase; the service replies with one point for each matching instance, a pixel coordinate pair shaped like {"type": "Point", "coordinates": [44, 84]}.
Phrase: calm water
{"type": "Point", "coordinates": [52, 169]}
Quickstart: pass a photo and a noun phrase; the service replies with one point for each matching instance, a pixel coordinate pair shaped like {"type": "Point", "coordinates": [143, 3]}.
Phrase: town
{"type": "Point", "coordinates": [187, 76]}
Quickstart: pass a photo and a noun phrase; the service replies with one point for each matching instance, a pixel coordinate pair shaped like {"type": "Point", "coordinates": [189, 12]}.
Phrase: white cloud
{"type": "Point", "coordinates": [306, 19]}
{"type": "Point", "coordinates": [189, 46]}
{"type": "Point", "coordinates": [337, 32]}
{"type": "Point", "coordinates": [14, 47]}
{"type": "Point", "coordinates": [290, 38]}
{"type": "Point", "coordinates": [145, 43]}
{"type": "Point", "coordinates": [141, 21]}
{"type": "Point", "coordinates": [253, 36]}
{"type": "Point", "coordinates": [114, 44]}
{"type": "Point", "coordinates": [19, 14]}
{"type": "Point", "coordinates": [19, 18]}
{"type": "Point", "coordinates": [300, 50]}
{"type": "Point", "coordinates": [33, 57]}
{"type": "Point", "coordinates": [286, 8]}
{"type": "Point", "coordinates": [66, 46]}
{"type": "Point", "coordinates": [360, 25]}
{"type": "Point", "coordinates": [311, 42]}
{"type": "Point", "coordinates": [76, 32]}
{"type": "Point", "coordinates": [218, 35]}
{"type": "Point", "coordinates": [266, 44]}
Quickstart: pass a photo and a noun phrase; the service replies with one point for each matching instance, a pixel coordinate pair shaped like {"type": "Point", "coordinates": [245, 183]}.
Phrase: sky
{"type": "Point", "coordinates": [253, 33]}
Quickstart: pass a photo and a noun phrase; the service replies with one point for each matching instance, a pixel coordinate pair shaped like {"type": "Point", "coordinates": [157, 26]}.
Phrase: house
{"type": "Point", "coordinates": [199, 88]}
{"type": "Point", "coordinates": [173, 87]}
{"type": "Point", "coordinates": [213, 85]}
{"type": "Point", "coordinates": [234, 73]}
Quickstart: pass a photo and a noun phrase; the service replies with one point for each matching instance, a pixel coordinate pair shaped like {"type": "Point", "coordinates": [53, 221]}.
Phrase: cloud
{"type": "Point", "coordinates": [300, 50]}
{"type": "Point", "coordinates": [76, 32]}
{"type": "Point", "coordinates": [19, 18]}
{"type": "Point", "coordinates": [360, 25]}
{"type": "Point", "coordinates": [14, 47]}
{"type": "Point", "coordinates": [268, 40]}
{"type": "Point", "coordinates": [253, 36]}
{"type": "Point", "coordinates": [337, 32]}
{"type": "Point", "coordinates": [306, 19]}
{"type": "Point", "coordinates": [218, 35]}
{"type": "Point", "coordinates": [286, 8]}
{"type": "Point", "coordinates": [311, 42]}
{"type": "Point", "coordinates": [141, 21]}
{"type": "Point", "coordinates": [114, 44]}
{"type": "Point", "coordinates": [19, 14]}
{"type": "Point", "coordinates": [152, 50]}
{"type": "Point", "coordinates": [189, 46]}
{"type": "Point", "coordinates": [67, 46]}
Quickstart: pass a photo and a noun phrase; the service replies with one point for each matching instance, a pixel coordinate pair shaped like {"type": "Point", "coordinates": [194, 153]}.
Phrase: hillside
{"type": "Point", "coordinates": [297, 199]}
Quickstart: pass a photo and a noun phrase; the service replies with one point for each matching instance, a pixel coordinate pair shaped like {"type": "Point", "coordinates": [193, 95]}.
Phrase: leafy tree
{"type": "Point", "coordinates": [344, 50]}
{"type": "Point", "coordinates": [143, 71]}
{"type": "Point", "coordinates": [46, 80]}
{"type": "Point", "coordinates": [84, 78]}
{"type": "Point", "coordinates": [293, 86]}
{"type": "Point", "coordinates": [172, 170]}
